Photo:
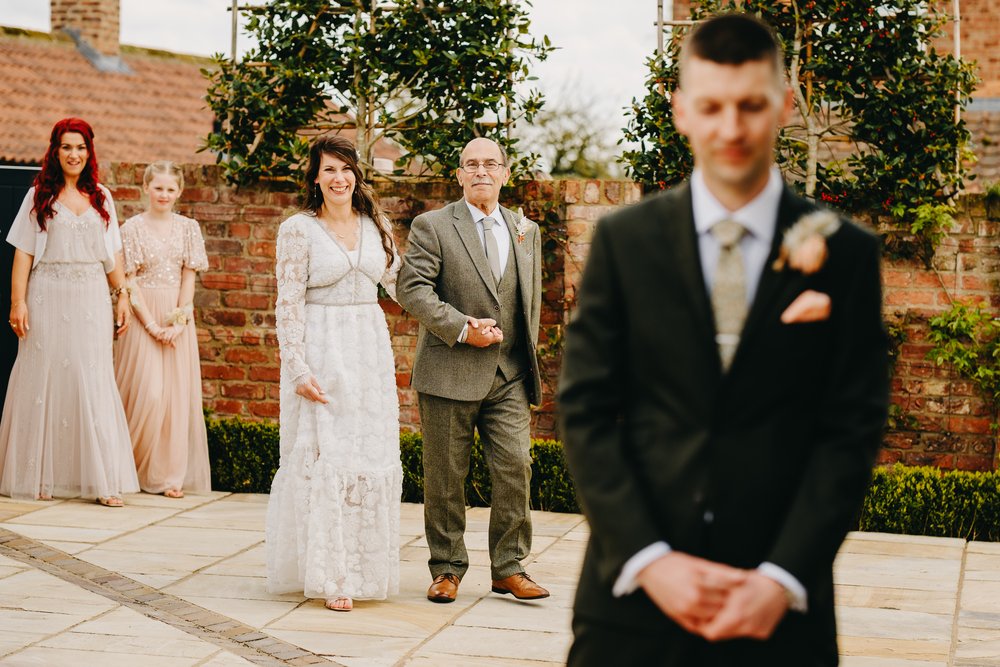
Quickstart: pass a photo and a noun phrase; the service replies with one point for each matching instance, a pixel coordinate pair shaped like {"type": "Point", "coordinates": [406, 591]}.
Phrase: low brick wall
{"type": "Point", "coordinates": [941, 419]}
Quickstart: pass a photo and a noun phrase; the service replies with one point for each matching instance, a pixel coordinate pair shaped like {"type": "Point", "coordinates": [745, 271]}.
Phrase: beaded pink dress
{"type": "Point", "coordinates": [161, 385]}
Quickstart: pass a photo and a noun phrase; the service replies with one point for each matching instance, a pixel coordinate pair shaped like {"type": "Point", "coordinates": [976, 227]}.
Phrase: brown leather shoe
{"type": "Point", "coordinates": [520, 586]}
{"type": "Point", "coordinates": [444, 588]}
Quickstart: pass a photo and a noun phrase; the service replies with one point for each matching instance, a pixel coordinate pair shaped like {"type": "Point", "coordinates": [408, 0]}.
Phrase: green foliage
{"type": "Point", "coordinates": [929, 223]}
{"type": "Point", "coordinates": [244, 454]}
{"type": "Point", "coordinates": [572, 135]}
{"type": "Point", "coordinates": [915, 501]}
{"type": "Point", "coordinates": [991, 198]}
{"type": "Point", "coordinates": [662, 158]}
{"type": "Point", "coordinates": [429, 76]}
{"type": "Point", "coordinates": [992, 192]}
{"type": "Point", "coordinates": [968, 337]}
{"type": "Point", "coordinates": [863, 73]}
{"type": "Point", "coordinates": [929, 501]}
{"type": "Point", "coordinates": [245, 457]}
{"type": "Point", "coordinates": [551, 487]}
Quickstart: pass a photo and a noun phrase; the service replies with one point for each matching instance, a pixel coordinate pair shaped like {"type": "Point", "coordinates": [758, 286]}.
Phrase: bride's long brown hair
{"type": "Point", "coordinates": [363, 200]}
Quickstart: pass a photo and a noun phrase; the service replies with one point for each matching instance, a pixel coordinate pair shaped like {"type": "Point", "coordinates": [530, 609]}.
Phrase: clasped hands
{"type": "Point", "coordinates": [483, 332]}
{"type": "Point", "coordinates": [165, 335]}
{"type": "Point", "coordinates": [713, 600]}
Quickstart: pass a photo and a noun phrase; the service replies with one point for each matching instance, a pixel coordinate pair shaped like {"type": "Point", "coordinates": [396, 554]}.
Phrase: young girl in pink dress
{"type": "Point", "coordinates": [157, 366]}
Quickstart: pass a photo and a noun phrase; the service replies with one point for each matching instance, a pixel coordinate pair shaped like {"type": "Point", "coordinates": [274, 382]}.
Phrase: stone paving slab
{"type": "Point", "coordinates": [181, 583]}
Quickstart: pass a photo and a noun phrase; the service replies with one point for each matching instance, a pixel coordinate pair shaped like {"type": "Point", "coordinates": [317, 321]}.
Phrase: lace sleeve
{"type": "Point", "coordinates": [292, 271]}
{"type": "Point", "coordinates": [388, 280]}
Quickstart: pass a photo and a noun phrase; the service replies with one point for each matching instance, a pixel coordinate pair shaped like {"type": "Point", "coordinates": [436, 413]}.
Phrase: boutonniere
{"type": "Point", "coordinates": [520, 224]}
{"type": "Point", "coordinates": [804, 246]}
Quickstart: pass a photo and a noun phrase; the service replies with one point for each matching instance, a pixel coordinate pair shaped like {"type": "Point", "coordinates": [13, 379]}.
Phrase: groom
{"type": "Point", "coordinates": [472, 277]}
{"type": "Point", "coordinates": [721, 407]}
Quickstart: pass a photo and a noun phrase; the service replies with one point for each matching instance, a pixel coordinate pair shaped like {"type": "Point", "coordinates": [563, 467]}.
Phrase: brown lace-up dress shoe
{"type": "Point", "coordinates": [520, 586]}
{"type": "Point", "coordinates": [444, 588]}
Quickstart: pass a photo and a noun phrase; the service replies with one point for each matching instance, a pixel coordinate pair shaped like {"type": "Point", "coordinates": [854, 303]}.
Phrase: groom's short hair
{"type": "Point", "coordinates": [733, 38]}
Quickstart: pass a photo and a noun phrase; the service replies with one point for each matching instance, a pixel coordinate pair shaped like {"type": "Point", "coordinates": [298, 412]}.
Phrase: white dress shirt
{"type": "Point", "coordinates": [502, 235]}
{"type": "Point", "coordinates": [760, 218]}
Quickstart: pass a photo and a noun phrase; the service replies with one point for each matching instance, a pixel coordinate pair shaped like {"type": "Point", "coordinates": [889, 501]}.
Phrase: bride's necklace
{"type": "Point", "coordinates": [346, 234]}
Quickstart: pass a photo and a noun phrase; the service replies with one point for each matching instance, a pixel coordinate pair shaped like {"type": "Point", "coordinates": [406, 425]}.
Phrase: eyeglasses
{"type": "Point", "coordinates": [472, 166]}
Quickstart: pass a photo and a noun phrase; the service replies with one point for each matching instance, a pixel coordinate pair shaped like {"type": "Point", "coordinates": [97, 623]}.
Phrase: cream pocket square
{"type": "Point", "coordinates": [810, 306]}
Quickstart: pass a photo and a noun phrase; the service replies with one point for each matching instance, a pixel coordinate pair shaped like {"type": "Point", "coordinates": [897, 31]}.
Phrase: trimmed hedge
{"type": "Point", "coordinates": [934, 502]}
{"type": "Point", "coordinates": [245, 456]}
{"type": "Point", "coordinates": [914, 501]}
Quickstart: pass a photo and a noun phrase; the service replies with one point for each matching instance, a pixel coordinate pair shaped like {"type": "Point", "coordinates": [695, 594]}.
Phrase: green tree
{"type": "Point", "coordinates": [572, 136]}
{"type": "Point", "coordinates": [875, 132]}
{"type": "Point", "coordinates": [426, 75]}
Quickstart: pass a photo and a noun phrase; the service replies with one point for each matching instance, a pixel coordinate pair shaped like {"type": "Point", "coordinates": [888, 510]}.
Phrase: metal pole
{"type": "Point", "coordinates": [235, 12]}
{"type": "Point", "coordinates": [958, 92]}
{"type": "Point", "coordinates": [659, 29]}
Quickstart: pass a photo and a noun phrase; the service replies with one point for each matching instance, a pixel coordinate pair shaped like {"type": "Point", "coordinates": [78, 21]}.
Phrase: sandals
{"type": "Point", "coordinates": [111, 501]}
{"type": "Point", "coordinates": [173, 493]}
{"type": "Point", "coordinates": [342, 603]}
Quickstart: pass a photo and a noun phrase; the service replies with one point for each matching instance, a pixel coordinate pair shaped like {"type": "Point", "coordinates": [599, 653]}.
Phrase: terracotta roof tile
{"type": "Point", "coordinates": [156, 113]}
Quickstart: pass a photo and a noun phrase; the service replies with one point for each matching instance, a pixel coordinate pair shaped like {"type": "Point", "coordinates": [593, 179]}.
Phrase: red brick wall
{"type": "Point", "coordinates": [942, 420]}
{"type": "Point", "coordinates": [235, 297]}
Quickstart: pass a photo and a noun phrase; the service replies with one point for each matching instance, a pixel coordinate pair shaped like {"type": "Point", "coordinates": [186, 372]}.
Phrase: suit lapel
{"type": "Point", "coordinates": [520, 257]}
{"type": "Point", "coordinates": [772, 283]}
{"type": "Point", "coordinates": [466, 229]}
{"type": "Point", "coordinates": [676, 220]}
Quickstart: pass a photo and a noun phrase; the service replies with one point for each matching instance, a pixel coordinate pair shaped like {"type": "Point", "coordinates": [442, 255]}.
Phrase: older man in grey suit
{"type": "Point", "coordinates": [472, 277]}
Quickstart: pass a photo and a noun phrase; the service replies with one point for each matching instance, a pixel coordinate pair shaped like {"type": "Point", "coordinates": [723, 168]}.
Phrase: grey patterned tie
{"type": "Point", "coordinates": [729, 294]}
{"type": "Point", "coordinates": [492, 250]}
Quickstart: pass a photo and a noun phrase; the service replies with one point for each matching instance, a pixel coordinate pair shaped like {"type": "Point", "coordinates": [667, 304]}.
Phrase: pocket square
{"type": "Point", "coordinates": [810, 306]}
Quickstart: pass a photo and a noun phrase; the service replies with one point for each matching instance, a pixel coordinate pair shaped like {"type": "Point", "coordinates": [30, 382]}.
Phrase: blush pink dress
{"type": "Point", "coordinates": [161, 385]}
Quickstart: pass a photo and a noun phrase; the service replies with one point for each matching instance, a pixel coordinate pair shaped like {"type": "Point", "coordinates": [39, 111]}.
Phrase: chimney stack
{"type": "Point", "coordinates": [96, 22]}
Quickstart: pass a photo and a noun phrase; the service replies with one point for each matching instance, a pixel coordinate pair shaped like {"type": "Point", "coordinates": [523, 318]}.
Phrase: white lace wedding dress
{"type": "Point", "coordinates": [333, 514]}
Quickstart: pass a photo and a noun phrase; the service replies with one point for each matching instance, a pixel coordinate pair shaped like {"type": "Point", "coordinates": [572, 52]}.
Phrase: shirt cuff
{"type": "Point", "coordinates": [798, 600]}
{"type": "Point", "coordinates": [626, 582]}
{"type": "Point", "coordinates": [464, 333]}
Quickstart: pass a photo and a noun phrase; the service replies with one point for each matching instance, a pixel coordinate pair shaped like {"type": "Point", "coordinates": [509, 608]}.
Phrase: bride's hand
{"type": "Point", "coordinates": [310, 390]}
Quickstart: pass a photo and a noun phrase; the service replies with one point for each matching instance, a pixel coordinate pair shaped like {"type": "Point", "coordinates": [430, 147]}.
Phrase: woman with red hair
{"type": "Point", "coordinates": [63, 430]}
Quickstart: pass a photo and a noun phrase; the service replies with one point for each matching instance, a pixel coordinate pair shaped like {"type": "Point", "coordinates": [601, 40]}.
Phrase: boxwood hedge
{"type": "Point", "coordinates": [915, 501]}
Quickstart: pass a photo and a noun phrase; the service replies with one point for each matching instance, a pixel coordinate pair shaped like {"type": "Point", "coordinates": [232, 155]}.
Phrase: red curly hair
{"type": "Point", "coordinates": [50, 180]}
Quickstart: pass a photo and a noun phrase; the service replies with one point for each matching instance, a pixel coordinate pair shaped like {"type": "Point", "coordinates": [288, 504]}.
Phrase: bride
{"type": "Point", "coordinates": [333, 513]}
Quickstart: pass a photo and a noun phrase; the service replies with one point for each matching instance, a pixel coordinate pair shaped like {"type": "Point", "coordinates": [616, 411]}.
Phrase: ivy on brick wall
{"type": "Point", "coordinates": [967, 337]}
{"type": "Point", "coordinates": [875, 132]}
{"type": "Point", "coordinates": [427, 75]}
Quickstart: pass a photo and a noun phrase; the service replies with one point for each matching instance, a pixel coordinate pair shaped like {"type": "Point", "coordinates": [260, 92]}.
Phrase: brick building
{"type": "Point", "coordinates": [143, 104]}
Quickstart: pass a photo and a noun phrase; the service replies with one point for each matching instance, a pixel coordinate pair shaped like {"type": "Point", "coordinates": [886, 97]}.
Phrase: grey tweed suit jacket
{"type": "Point", "coordinates": [444, 279]}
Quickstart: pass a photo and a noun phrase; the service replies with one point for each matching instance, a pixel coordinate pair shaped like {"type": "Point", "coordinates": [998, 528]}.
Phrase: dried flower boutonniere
{"type": "Point", "coordinates": [804, 246]}
{"type": "Point", "coordinates": [520, 224]}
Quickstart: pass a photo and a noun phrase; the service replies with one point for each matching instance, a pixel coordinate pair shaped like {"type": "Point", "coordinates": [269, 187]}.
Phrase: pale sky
{"type": "Point", "coordinates": [603, 45]}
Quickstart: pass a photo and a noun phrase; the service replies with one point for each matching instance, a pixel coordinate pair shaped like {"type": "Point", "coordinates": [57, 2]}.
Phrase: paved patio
{"type": "Point", "coordinates": [181, 583]}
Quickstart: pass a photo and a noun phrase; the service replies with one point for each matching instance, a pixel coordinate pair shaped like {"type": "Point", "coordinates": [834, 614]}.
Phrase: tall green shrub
{"type": "Point", "coordinates": [866, 76]}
